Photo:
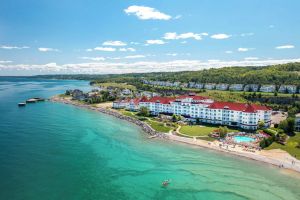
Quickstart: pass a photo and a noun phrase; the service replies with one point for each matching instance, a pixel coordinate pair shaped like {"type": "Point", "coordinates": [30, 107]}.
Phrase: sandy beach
{"type": "Point", "coordinates": [275, 157]}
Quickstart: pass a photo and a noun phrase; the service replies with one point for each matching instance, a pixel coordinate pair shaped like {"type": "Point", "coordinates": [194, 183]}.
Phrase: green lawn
{"type": "Point", "coordinates": [290, 147]}
{"type": "Point", "coordinates": [158, 126]}
{"type": "Point", "coordinates": [196, 130]}
{"type": "Point", "coordinates": [117, 85]}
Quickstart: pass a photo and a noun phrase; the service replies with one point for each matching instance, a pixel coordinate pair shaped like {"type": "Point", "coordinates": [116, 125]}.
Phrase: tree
{"type": "Point", "coordinates": [287, 125]}
{"type": "Point", "coordinates": [144, 111]}
{"type": "Point", "coordinates": [261, 124]}
{"type": "Point", "coordinates": [223, 131]}
{"type": "Point", "coordinates": [174, 118]}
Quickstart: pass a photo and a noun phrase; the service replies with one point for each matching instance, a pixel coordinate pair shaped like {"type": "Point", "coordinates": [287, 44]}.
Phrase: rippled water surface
{"type": "Point", "coordinates": [55, 151]}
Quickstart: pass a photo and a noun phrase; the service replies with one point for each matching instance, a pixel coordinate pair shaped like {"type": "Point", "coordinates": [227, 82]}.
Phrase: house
{"type": "Point", "coordinates": [126, 91]}
{"type": "Point", "coordinates": [120, 104]}
{"type": "Point", "coordinates": [184, 85]}
{"type": "Point", "coordinates": [236, 87]}
{"type": "Point", "coordinates": [191, 84]}
{"type": "Point", "coordinates": [251, 88]}
{"type": "Point", "coordinates": [297, 122]}
{"type": "Point", "coordinates": [210, 86]}
{"type": "Point", "coordinates": [222, 86]}
{"type": "Point", "coordinates": [128, 104]}
{"type": "Point", "coordinates": [149, 94]}
{"type": "Point", "coordinates": [78, 95]}
{"type": "Point", "coordinates": [204, 109]}
{"type": "Point", "coordinates": [291, 89]}
{"type": "Point", "coordinates": [199, 85]}
{"type": "Point", "coordinates": [267, 88]}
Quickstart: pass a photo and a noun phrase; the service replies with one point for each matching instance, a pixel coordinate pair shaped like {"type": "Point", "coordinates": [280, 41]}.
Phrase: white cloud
{"type": "Point", "coordinates": [251, 58]}
{"type": "Point", "coordinates": [175, 36]}
{"type": "Point", "coordinates": [229, 52]}
{"type": "Point", "coordinates": [171, 54]}
{"type": "Point", "coordinates": [5, 61]}
{"type": "Point", "coordinates": [93, 58]}
{"type": "Point", "coordinates": [213, 61]}
{"type": "Point", "coordinates": [145, 13]}
{"type": "Point", "coordinates": [13, 47]}
{"type": "Point", "coordinates": [246, 34]}
{"type": "Point", "coordinates": [220, 36]}
{"type": "Point", "coordinates": [271, 26]}
{"type": "Point", "coordinates": [242, 49]}
{"type": "Point", "coordinates": [285, 47]}
{"type": "Point", "coordinates": [155, 42]}
{"type": "Point", "coordinates": [177, 16]}
{"type": "Point", "coordinates": [135, 56]}
{"type": "Point", "coordinates": [104, 49]}
{"type": "Point", "coordinates": [44, 49]}
{"type": "Point", "coordinates": [125, 67]}
{"type": "Point", "coordinates": [114, 43]}
{"type": "Point", "coordinates": [134, 43]}
{"type": "Point", "coordinates": [127, 49]}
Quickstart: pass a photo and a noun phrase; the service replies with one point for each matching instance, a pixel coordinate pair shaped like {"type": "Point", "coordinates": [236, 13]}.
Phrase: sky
{"type": "Point", "coordinates": [124, 36]}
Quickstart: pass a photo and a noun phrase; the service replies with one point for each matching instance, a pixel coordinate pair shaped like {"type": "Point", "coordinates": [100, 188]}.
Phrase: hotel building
{"type": "Point", "coordinates": [242, 115]}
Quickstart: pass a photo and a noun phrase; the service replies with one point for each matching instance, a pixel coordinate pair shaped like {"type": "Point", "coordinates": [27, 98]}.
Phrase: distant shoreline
{"type": "Point", "coordinates": [274, 157]}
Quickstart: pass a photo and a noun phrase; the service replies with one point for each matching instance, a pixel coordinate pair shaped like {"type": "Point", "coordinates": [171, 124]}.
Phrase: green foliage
{"type": "Point", "coordinates": [261, 124]}
{"type": "Point", "coordinates": [288, 125]}
{"type": "Point", "coordinates": [223, 131]}
{"type": "Point", "coordinates": [275, 74]}
{"type": "Point", "coordinates": [144, 111]}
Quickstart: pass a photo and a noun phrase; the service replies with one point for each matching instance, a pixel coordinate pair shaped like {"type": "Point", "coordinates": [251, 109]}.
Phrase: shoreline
{"type": "Point", "coordinates": [274, 157]}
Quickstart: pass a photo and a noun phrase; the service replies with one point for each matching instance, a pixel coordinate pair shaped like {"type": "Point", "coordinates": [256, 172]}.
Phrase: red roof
{"type": "Point", "coordinates": [250, 108]}
{"type": "Point", "coordinates": [196, 98]}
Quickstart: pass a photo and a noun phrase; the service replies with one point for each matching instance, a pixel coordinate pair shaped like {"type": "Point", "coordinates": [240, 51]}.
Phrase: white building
{"type": "Point", "coordinates": [236, 87]}
{"type": "Point", "coordinates": [210, 86]}
{"type": "Point", "coordinates": [222, 86]}
{"type": "Point", "coordinates": [267, 88]}
{"type": "Point", "coordinates": [241, 115]}
{"type": "Point", "coordinates": [251, 88]}
{"type": "Point", "coordinates": [126, 91]}
{"type": "Point", "coordinates": [297, 122]}
{"type": "Point", "coordinates": [291, 89]}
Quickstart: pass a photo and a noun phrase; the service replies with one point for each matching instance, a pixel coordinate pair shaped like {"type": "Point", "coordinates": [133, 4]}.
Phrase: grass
{"type": "Point", "coordinates": [200, 130]}
{"type": "Point", "coordinates": [158, 126]}
{"type": "Point", "coordinates": [290, 147]}
{"type": "Point", "coordinates": [117, 85]}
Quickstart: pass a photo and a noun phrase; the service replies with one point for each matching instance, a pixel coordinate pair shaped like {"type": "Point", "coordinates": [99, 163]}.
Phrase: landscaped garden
{"type": "Point", "coordinates": [292, 145]}
{"type": "Point", "coordinates": [196, 130]}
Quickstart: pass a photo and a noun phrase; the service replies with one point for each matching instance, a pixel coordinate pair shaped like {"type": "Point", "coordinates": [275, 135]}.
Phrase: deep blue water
{"type": "Point", "coordinates": [55, 151]}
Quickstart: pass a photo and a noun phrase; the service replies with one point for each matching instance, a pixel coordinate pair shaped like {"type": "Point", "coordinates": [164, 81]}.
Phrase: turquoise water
{"type": "Point", "coordinates": [243, 139]}
{"type": "Point", "coordinates": [55, 151]}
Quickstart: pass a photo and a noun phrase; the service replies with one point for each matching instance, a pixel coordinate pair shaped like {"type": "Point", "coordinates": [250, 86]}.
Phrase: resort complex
{"type": "Point", "coordinates": [203, 109]}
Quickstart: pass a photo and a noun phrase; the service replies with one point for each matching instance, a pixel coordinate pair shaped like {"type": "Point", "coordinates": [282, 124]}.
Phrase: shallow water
{"type": "Point", "coordinates": [55, 151]}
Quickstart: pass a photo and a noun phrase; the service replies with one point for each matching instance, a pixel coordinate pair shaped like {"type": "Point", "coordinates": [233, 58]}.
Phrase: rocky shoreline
{"type": "Point", "coordinates": [144, 126]}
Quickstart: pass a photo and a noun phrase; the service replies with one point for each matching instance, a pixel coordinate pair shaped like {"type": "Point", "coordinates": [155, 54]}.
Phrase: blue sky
{"type": "Point", "coordinates": [85, 36]}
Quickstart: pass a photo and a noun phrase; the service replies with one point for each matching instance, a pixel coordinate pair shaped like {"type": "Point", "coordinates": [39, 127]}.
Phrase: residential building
{"type": "Point", "coordinates": [267, 88]}
{"type": "Point", "coordinates": [236, 87]}
{"type": "Point", "coordinates": [199, 85]}
{"type": "Point", "coordinates": [210, 86]}
{"type": "Point", "coordinates": [297, 122]}
{"type": "Point", "coordinates": [206, 110]}
{"type": "Point", "coordinates": [126, 91]}
{"type": "Point", "coordinates": [251, 88]}
{"type": "Point", "coordinates": [222, 86]}
{"type": "Point", "coordinates": [291, 89]}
